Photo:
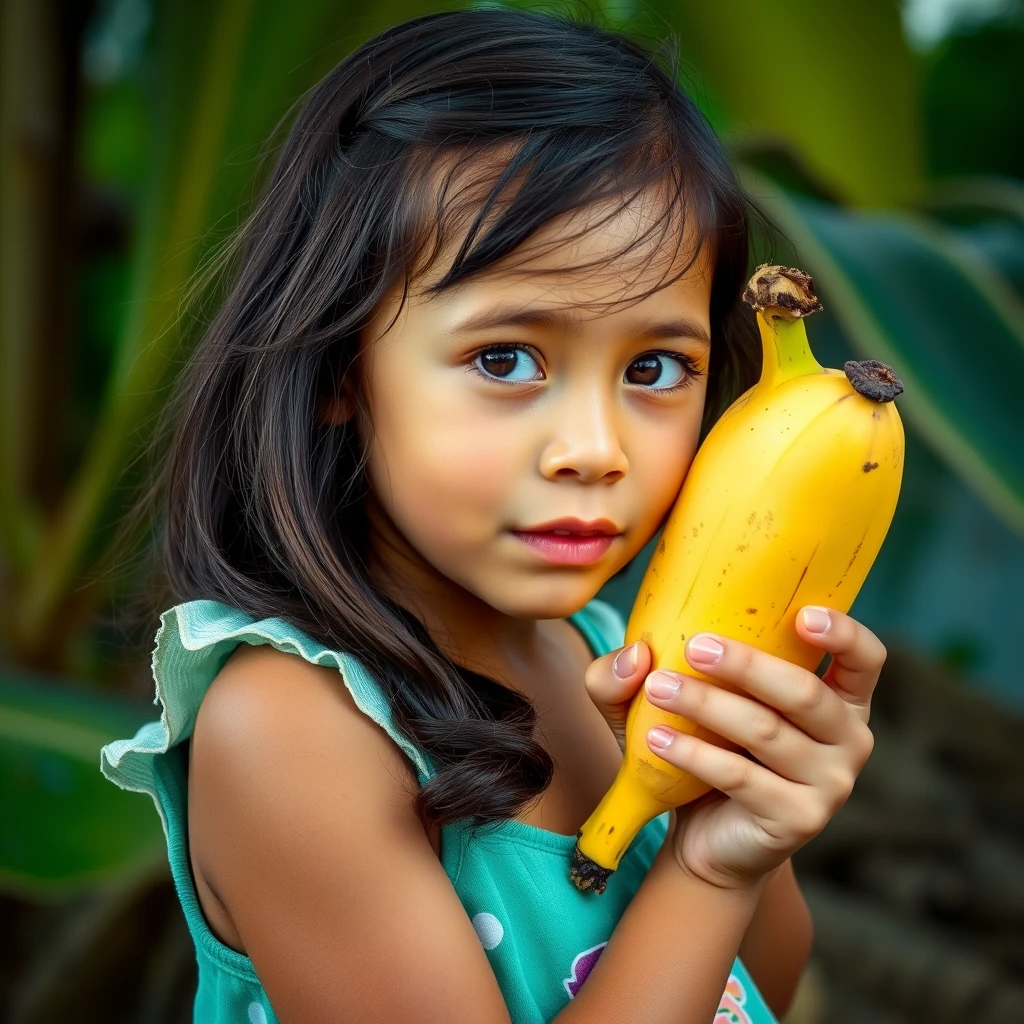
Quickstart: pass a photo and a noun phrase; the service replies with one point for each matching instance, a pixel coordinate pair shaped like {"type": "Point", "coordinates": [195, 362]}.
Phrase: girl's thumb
{"type": "Point", "coordinates": [613, 679]}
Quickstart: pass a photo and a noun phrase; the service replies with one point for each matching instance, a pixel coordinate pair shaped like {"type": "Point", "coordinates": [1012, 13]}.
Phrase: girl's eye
{"type": "Point", "coordinates": [662, 371]}
{"type": "Point", "coordinates": [509, 364]}
{"type": "Point", "coordinates": [658, 371]}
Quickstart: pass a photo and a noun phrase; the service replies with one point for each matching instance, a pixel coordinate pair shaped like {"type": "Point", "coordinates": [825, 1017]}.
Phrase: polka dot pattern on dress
{"type": "Point", "coordinates": [489, 929]}
{"type": "Point", "coordinates": [257, 1015]}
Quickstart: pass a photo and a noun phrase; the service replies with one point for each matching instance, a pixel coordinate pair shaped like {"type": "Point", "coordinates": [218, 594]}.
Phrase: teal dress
{"type": "Point", "coordinates": [542, 935]}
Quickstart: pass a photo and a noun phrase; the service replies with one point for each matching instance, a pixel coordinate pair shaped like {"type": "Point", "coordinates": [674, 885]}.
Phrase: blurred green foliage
{"type": "Point", "coordinates": [973, 84]}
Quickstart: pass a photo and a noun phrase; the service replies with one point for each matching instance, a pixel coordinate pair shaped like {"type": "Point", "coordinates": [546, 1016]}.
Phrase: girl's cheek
{"type": "Point", "coordinates": [660, 467]}
{"type": "Point", "coordinates": [448, 468]}
{"type": "Point", "coordinates": [474, 468]}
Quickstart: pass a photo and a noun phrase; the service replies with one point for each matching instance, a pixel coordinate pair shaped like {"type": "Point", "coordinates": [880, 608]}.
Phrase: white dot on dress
{"type": "Point", "coordinates": [257, 1015]}
{"type": "Point", "coordinates": [489, 928]}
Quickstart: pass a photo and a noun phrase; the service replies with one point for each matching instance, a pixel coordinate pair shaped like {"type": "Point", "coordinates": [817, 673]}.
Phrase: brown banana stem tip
{"type": "Point", "coordinates": [873, 379]}
{"type": "Point", "coordinates": [786, 289]}
{"type": "Point", "coordinates": [585, 874]}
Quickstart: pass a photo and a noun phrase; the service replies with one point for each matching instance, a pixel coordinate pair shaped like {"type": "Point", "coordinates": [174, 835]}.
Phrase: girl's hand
{"type": "Point", "coordinates": [808, 736]}
{"type": "Point", "coordinates": [807, 757]}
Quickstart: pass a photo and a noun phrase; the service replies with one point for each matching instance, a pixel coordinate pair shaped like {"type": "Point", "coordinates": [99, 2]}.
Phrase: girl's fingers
{"type": "Point", "coordinates": [798, 694]}
{"type": "Point", "coordinates": [857, 654]}
{"type": "Point", "coordinates": [773, 740]}
{"type": "Point", "coordinates": [759, 790]}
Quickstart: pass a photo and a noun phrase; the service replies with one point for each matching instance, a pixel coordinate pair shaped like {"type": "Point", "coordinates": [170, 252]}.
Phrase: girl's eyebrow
{"type": "Point", "coordinates": [559, 319]}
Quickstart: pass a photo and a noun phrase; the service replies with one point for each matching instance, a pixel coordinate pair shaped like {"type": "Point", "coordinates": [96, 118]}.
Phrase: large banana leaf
{"type": "Point", "coordinates": [62, 824]}
{"type": "Point", "coordinates": [910, 292]}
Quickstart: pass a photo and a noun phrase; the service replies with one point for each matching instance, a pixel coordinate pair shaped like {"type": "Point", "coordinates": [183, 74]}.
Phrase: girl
{"type": "Point", "coordinates": [483, 311]}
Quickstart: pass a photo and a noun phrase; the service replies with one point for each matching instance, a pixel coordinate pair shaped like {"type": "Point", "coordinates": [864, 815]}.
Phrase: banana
{"type": "Point", "coordinates": [786, 503]}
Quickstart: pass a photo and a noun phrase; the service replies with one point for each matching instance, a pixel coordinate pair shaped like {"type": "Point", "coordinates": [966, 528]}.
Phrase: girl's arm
{"type": "Point", "coordinates": [777, 944]}
{"type": "Point", "coordinates": [301, 822]}
{"type": "Point", "coordinates": [669, 957]}
{"type": "Point", "coordinates": [809, 739]}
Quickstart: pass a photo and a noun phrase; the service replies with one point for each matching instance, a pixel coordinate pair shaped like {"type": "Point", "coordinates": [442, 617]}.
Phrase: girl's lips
{"type": "Point", "coordinates": [562, 550]}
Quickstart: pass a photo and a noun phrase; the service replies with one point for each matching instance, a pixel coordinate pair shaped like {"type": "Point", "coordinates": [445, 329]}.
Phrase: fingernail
{"type": "Point", "coordinates": [817, 620]}
{"type": "Point", "coordinates": [663, 684]}
{"type": "Point", "coordinates": [624, 664]}
{"type": "Point", "coordinates": [659, 737]}
{"type": "Point", "coordinates": [704, 650]}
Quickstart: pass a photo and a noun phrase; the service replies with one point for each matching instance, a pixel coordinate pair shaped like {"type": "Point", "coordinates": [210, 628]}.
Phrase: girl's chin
{"type": "Point", "coordinates": [546, 599]}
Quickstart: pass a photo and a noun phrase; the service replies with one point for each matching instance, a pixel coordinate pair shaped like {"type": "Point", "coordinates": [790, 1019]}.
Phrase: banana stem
{"type": "Point", "coordinates": [786, 350]}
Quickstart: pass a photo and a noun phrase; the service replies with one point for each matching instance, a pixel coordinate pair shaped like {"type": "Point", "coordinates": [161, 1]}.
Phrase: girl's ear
{"type": "Point", "coordinates": [336, 411]}
{"type": "Point", "coordinates": [340, 408]}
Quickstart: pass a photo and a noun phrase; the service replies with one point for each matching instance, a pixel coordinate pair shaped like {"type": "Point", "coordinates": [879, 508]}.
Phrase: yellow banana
{"type": "Point", "coordinates": [786, 503]}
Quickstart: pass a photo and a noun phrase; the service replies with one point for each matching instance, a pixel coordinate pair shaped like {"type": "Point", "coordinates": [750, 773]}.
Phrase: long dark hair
{"type": "Point", "coordinates": [263, 502]}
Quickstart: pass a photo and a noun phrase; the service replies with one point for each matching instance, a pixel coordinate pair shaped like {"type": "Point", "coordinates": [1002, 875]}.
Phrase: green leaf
{"type": "Point", "coordinates": [987, 195]}
{"type": "Point", "coordinates": [849, 108]}
{"type": "Point", "coordinates": [909, 292]}
{"type": "Point", "coordinates": [64, 826]}
{"type": "Point", "coordinates": [987, 213]}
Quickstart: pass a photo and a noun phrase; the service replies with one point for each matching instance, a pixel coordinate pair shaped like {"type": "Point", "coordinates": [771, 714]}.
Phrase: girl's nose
{"type": "Point", "coordinates": [585, 443]}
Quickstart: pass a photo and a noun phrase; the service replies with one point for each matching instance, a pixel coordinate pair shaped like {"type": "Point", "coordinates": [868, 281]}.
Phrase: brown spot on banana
{"type": "Point", "coordinates": [797, 587]}
{"type": "Point", "coordinates": [868, 466]}
{"type": "Point", "coordinates": [853, 557]}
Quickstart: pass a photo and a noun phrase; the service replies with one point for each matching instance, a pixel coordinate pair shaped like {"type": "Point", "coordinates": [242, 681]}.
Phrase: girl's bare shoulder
{"type": "Point", "coordinates": [272, 725]}
{"type": "Point", "coordinates": [266, 720]}
{"type": "Point", "coordinates": [302, 822]}
{"type": "Point", "coordinates": [273, 719]}
{"type": "Point", "coordinates": [266, 698]}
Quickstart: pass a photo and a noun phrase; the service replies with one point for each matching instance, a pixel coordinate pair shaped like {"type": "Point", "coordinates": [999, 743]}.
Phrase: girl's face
{"type": "Point", "coordinates": [512, 401]}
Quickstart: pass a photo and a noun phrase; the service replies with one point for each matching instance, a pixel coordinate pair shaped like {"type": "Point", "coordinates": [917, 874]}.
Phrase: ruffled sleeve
{"type": "Point", "coordinates": [192, 644]}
